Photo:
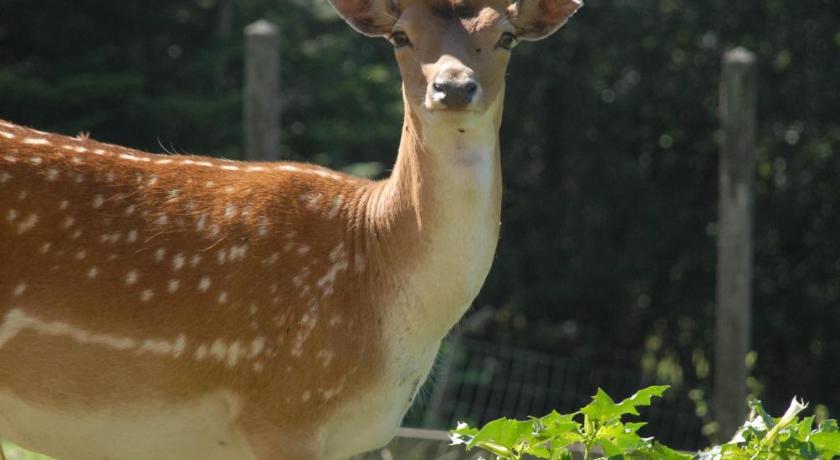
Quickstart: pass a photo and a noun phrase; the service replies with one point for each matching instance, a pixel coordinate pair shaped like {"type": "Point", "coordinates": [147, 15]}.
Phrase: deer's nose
{"type": "Point", "coordinates": [454, 88]}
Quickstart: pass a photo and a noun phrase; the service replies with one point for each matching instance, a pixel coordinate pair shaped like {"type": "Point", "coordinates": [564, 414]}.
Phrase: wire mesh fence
{"type": "Point", "coordinates": [480, 381]}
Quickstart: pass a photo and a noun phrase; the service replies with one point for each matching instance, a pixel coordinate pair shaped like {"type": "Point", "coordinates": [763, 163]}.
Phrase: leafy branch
{"type": "Point", "coordinates": [601, 432]}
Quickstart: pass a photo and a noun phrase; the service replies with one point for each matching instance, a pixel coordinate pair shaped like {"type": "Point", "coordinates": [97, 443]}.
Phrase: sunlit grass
{"type": "Point", "coordinates": [14, 452]}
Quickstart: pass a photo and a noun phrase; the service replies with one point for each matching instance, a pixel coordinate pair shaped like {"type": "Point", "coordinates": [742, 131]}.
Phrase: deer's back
{"type": "Point", "coordinates": [131, 282]}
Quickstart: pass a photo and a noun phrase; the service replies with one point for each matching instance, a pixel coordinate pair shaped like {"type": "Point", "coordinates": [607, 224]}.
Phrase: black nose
{"type": "Point", "coordinates": [455, 94]}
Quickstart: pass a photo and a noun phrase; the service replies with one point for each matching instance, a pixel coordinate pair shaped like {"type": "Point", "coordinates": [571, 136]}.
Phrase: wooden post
{"type": "Point", "coordinates": [735, 252]}
{"type": "Point", "coordinates": [261, 117]}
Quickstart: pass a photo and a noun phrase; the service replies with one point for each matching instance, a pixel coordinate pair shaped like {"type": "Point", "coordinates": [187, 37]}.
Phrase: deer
{"type": "Point", "coordinates": [163, 306]}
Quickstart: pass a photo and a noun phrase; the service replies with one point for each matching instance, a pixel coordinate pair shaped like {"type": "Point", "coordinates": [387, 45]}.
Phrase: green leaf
{"type": "Point", "coordinates": [602, 406]}
{"type": "Point", "coordinates": [625, 439]}
{"type": "Point", "coordinates": [827, 442]}
{"type": "Point", "coordinates": [603, 409]}
{"type": "Point", "coordinates": [504, 432]}
{"type": "Point", "coordinates": [803, 429]}
{"type": "Point", "coordinates": [634, 427]}
{"type": "Point", "coordinates": [608, 447]}
{"type": "Point", "coordinates": [539, 451]}
{"type": "Point", "coordinates": [662, 452]}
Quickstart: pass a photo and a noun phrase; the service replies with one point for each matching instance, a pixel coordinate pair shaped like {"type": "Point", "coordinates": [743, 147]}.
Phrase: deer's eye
{"type": "Point", "coordinates": [399, 39]}
{"type": "Point", "coordinates": [507, 41]}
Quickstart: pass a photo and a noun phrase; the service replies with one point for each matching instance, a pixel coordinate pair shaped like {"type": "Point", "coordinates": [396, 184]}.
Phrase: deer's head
{"type": "Point", "coordinates": [453, 54]}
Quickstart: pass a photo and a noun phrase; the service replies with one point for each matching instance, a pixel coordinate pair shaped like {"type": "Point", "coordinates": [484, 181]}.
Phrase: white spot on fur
{"type": "Point", "coordinates": [93, 272]}
{"type": "Point", "coordinates": [201, 352]}
{"type": "Point", "coordinates": [237, 252]}
{"type": "Point", "coordinates": [201, 222]}
{"type": "Point", "coordinates": [27, 224]}
{"type": "Point", "coordinates": [204, 284]}
{"type": "Point", "coordinates": [146, 295]}
{"type": "Point", "coordinates": [173, 348]}
{"type": "Point", "coordinates": [178, 262]}
{"type": "Point", "coordinates": [173, 286]}
{"type": "Point", "coordinates": [19, 289]}
{"type": "Point", "coordinates": [112, 238]}
{"type": "Point", "coordinates": [359, 262]}
{"type": "Point", "coordinates": [325, 356]}
{"type": "Point", "coordinates": [131, 277]}
{"type": "Point", "coordinates": [336, 206]}
{"type": "Point", "coordinates": [160, 254]}
{"type": "Point", "coordinates": [272, 259]}
{"type": "Point", "coordinates": [16, 321]}
{"type": "Point", "coordinates": [36, 141]}
{"type": "Point", "coordinates": [257, 346]}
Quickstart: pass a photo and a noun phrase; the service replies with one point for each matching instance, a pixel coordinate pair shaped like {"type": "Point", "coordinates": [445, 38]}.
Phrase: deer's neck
{"type": "Point", "coordinates": [437, 218]}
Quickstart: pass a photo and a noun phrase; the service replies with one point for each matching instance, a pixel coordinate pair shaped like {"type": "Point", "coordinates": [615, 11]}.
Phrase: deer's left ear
{"type": "Point", "coordinates": [374, 18]}
{"type": "Point", "coordinates": [537, 19]}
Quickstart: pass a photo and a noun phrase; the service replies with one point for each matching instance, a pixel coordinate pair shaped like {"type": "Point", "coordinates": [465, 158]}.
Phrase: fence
{"type": "Point", "coordinates": [485, 381]}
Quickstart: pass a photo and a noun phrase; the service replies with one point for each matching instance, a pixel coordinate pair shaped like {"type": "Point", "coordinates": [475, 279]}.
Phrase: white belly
{"type": "Point", "coordinates": [200, 429]}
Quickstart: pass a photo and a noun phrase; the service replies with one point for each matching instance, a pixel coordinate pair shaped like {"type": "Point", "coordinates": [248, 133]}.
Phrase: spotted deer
{"type": "Point", "coordinates": [185, 307]}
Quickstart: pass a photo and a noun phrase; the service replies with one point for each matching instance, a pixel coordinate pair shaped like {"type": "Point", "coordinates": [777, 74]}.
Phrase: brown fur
{"type": "Point", "coordinates": [136, 197]}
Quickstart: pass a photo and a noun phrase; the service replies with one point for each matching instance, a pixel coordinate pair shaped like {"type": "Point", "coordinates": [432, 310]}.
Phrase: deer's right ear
{"type": "Point", "coordinates": [374, 18]}
{"type": "Point", "coordinates": [537, 19]}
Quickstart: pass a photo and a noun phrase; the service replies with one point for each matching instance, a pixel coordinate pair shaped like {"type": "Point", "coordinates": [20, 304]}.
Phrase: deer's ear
{"type": "Point", "coordinates": [537, 19]}
{"type": "Point", "coordinates": [374, 18]}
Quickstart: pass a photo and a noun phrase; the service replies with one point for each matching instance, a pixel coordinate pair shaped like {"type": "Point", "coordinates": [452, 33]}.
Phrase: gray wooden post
{"type": "Point", "coordinates": [261, 111]}
{"type": "Point", "coordinates": [735, 253]}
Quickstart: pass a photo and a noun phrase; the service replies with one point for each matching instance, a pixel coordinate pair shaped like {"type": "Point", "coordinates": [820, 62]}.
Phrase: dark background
{"type": "Point", "coordinates": [609, 145]}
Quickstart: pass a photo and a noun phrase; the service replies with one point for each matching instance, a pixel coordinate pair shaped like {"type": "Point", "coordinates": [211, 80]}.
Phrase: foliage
{"type": "Point", "coordinates": [599, 426]}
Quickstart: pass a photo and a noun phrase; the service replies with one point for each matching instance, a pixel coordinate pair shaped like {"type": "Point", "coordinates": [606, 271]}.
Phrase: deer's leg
{"type": "Point", "coordinates": [2, 457]}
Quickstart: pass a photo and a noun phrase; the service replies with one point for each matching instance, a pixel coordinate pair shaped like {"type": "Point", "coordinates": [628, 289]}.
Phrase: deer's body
{"type": "Point", "coordinates": [178, 307]}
